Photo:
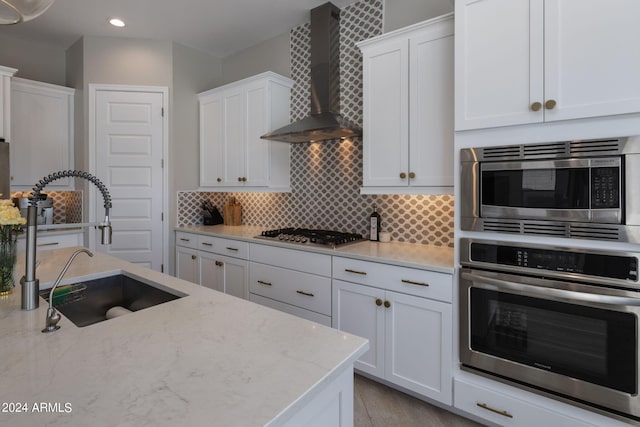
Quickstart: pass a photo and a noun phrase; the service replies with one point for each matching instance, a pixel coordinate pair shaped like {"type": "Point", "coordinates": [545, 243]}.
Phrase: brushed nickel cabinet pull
{"type": "Point", "coordinates": [232, 249]}
{"type": "Point", "coordinates": [185, 240]}
{"type": "Point", "coordinates": [219, 263]}
{"type": "Point", "coordinates": [348, 270]}
{"type": "Point", "coordinates": [495, 411]}
{"type": "Point", "coordinates": [48, 244]}
{"type": "Point", "coordinates": [262, 282]}
{"type": "Point", "coordinates": [207, 244]}
{"type": "Point", "coordinates": [309, 294]}
{"type": "Point", "coordinates": [411, 282]}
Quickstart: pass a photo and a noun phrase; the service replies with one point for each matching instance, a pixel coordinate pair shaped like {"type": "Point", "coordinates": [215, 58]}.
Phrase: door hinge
{"type": "Point", "coordinates": [162, 111]}
{"type": "Point", "coordinates": [161, 268]}
{"type": "Point", "coordinates": [161, 216]}
{"type": "Point", "coordinates": [162, 163]}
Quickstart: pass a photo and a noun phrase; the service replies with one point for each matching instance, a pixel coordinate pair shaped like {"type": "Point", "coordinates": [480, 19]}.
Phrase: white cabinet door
{"type": "Point", "coordinates": [257, 150]}
{"type": "Point", "coordinates": [591, 58]}
{"type": "Point", "coordinates": [499, 60]}
{"type": "Point", "coordinates": [533, 61]}
{"type": "Point", "coordinates": [5, 101]}
{"type": "Point", "coordinates": [236, 276]}
{"type": "Point", "coordinates": [408, 109]}
{"type": "Point", "coordinates": [211, 271]}
{"type": "Point", "coordinates": [41, 133]}
{"type": "Point", "coordinates": [232, 119]}
{"type": "Point", "coordinates": [212, 165]}
{"type": "Point", "coordinates": [431, 108]}
{"type": "Point", "coordinates": [233, 128]}
{"type": "Point", "coordinates": [418, 345]}
{"type": "Point", "coordinates": [386, 113]}
{"type": "Point", "coordinates": [358, 310]}
{"type": "Point", "coordinates": [187, 264]}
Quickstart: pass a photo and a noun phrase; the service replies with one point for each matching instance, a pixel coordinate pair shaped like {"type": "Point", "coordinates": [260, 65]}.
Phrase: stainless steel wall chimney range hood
{"type": "Point", "coordinates": [324, 122]}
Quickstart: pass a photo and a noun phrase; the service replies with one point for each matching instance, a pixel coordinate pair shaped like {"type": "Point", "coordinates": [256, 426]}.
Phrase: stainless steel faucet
{"type": "Point", "coordinates": [53, 317]}
{"type": "Point", "coordinates": [30, 284]}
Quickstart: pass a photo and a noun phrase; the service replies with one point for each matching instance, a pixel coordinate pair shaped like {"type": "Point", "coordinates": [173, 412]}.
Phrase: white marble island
{"type": "Point", "coordinates": [204, 359]}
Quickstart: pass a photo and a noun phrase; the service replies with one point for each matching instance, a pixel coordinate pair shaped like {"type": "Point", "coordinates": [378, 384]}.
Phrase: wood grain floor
{"type": "Point", "coordinates": [376, 405]}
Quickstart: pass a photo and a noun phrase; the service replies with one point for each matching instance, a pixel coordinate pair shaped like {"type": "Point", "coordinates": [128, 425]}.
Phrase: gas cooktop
{"type": "Point", "coordinates": [307, 236]}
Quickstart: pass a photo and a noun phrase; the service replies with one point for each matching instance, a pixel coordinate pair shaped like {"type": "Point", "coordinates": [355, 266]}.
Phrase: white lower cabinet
{"type": "Point", "coordinates": [505, 410]}
{"type": "Point", "coordinates": [410, 336]}
{"type": "Point", "coordinates": [293, 281]}
{"type": "Point", "coordinates": [205, 260]}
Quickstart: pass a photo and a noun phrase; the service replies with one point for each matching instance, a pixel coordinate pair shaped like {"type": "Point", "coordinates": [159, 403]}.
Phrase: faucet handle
{"type": "Point", "coordinates": [53, 317]}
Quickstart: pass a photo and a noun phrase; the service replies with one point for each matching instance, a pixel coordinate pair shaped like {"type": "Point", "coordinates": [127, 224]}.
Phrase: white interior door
{"type": "Point", "coordinates": [129, 135]}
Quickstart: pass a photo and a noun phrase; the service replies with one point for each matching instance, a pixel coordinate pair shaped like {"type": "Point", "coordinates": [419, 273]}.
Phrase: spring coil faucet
{"type": "Point", "coordinates": [30, 284]}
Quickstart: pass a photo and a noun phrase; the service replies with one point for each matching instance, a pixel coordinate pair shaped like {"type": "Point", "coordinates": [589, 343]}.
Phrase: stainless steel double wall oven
{"type": "Point", "coordinates": [554, 319]}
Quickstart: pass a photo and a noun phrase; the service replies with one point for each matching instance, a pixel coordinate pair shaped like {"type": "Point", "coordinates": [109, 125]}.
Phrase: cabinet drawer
{"type": "Point", "coordinates": [292, 287]}
{"type": "Point", "coordinates": [219, 245]}
{"type": "Point", "coordinates": [507, 411]}
{"type": "Point", "coordinates": [307, 262]}
{"type": "Point", "coordinates": [291, 309]}
{"type": "Point", "coordinates": [410, 281]}
{"type": "Point", "coordinates": [187, 240]}
{"type": "Point", "coordinates": [45, 242]}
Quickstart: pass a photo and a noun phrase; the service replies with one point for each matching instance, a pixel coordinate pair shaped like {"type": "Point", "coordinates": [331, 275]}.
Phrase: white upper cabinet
{"type": "Point", "coordinates": [5, 101]}
{"type": "Point", "coordinates": [534, 61]}
{"type": "Point", "coordinates": [41, 133]}
{"type": "Point", "coordinates": [232, 119]}
{"type": "Point", "coordinates": [408, 109]}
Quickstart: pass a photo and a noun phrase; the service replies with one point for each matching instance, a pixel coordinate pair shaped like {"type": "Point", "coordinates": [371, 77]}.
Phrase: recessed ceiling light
{"type": "Point", "coordinates": [116, 22]}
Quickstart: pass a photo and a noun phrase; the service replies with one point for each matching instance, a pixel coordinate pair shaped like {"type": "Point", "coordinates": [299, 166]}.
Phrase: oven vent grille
{"type": "Point", "coordinates": [594, 232]}
{"type": "Point", "coordinates": [597, 147]}
{"type": "Point", "coordinates": [536, 151]}
{"type": "Point", "coordinates": [539, 228]}
{"type": "Point", "coordinates": [506, 152]}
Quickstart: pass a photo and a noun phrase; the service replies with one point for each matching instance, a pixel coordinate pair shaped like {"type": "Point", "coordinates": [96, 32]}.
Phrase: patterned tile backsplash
{"type": "Point", "coordinates": [67, 205]}
{"type": "Point", "coordinates": [326, 177]}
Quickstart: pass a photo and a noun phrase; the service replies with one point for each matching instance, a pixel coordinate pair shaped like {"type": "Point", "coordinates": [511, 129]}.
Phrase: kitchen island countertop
{"type": "Point", "coordinates": [205, 359]}
{"type": "Point", "coordinates": [427, 257]}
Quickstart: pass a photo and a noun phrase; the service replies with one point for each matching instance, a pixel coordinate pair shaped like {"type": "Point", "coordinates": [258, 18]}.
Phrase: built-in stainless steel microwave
{"type": "Point", "coordinates": [581, 189]}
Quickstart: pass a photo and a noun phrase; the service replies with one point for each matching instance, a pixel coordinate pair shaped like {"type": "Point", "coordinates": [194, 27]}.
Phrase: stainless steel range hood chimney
{"type": "Point", "coordinates": [324, 122]}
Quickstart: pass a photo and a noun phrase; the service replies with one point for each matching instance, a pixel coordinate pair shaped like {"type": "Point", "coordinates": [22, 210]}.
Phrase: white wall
{"type": "Point", "coordinates": [271, 55]}
{"type": "Point", "coordinates": [35, 61]}
{"type": "Point", "coordinates": [401, 13]}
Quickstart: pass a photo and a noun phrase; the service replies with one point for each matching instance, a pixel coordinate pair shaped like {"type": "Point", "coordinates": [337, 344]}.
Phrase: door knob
{"type": "Point", "coordinates": [536, 106]}
{"type": "Point", "coordinates": [550, 104]}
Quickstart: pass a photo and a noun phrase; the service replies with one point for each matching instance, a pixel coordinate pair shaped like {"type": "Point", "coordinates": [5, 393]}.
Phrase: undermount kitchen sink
{"type": "Point", "coordinates": [87, 302]}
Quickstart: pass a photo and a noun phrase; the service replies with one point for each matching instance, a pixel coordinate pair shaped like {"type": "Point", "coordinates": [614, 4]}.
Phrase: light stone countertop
{"type": "Point", "coordinates": [426, 257]}
{"type": "Point", "coordinates": [205, 359]}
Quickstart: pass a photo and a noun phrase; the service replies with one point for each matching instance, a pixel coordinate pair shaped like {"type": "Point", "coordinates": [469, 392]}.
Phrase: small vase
{"type": "Point", "coordinates": [8, 245]}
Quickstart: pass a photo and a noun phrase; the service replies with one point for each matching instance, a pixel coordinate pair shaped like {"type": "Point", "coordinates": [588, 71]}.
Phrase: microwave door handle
{"type": "Point", "coordinates": [596, 298]}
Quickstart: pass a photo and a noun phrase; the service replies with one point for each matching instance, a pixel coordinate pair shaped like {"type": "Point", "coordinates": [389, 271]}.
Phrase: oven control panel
{"type": "Point", "coordinates": [582, 262]}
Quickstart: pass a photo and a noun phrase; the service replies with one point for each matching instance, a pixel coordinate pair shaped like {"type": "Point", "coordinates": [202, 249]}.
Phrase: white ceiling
{"type": "Point", "coordinates": [219, 27]}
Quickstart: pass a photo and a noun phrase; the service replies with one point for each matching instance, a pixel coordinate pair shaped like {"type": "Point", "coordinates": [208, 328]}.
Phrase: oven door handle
{"type": "Point", "coordinates": [595, 298]}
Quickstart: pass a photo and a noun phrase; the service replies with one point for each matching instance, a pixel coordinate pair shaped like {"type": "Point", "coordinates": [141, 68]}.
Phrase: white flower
{"type": "Point", "coordinates": [9, 214]}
